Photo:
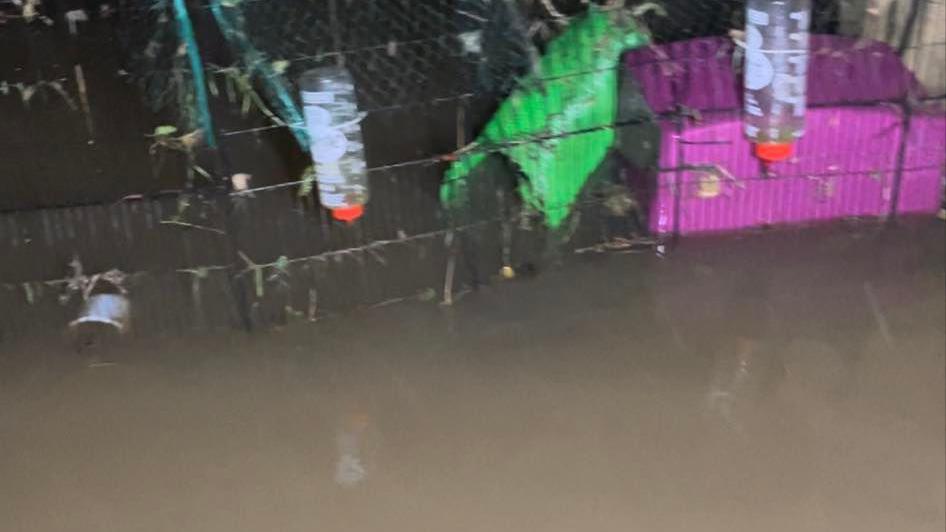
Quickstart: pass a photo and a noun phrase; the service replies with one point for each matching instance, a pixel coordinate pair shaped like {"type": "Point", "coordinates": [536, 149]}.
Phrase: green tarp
{"type": "Point", "coordinates": [558, 125]}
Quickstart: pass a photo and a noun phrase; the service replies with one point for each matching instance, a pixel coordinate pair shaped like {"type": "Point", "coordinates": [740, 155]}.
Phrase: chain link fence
{"type": "Point", "coordinates": [430, 76]}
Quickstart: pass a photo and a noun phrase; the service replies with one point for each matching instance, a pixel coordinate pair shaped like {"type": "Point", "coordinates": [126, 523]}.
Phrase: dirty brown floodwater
{"type": "Point", "coordinates": [578, 400]}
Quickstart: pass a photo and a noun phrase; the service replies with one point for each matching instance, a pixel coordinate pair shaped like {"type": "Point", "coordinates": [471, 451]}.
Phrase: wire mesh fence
{"type": "Point", "coordinates": [502, 88]}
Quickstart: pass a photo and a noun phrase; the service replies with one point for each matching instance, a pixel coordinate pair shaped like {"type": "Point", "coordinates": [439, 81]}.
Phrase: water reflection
{"type": "Point", "coordinates": [355, 450]}
{"type": "Point", "coordinates": [565, 402]}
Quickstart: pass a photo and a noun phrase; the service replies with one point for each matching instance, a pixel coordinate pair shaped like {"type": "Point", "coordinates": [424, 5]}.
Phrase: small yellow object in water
{"type": "Point", "coordinates": [507, 272]}
{"type": "Point", "coordinates": [709, 186]}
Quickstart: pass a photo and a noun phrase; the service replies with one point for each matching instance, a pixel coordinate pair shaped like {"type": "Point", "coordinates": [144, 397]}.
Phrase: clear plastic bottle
{"type": "Point", "coordinates": [333, 122]}
{"type": "Point", "coordinates": [776, 74]}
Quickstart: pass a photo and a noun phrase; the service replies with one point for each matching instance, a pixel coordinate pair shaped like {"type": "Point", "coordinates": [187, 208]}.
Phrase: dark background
{"type": "Point", "coordinates": [49, 157]}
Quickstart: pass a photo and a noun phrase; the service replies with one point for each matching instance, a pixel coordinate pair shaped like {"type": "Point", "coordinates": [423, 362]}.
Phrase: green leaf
{"type": "Point", "coordinates": [280, 66]}
{"type": "Point", "coordinates": [164, 131]}
{"type": "Point", "coordinates": [30, 296]}
{"type": "Point", "coordinates": [258, 280]}
{"type": "Point", "coordinates": [308, 179]}
{"type": "Point", "coordinates": [231, 89]}
{"type": "Point", "coordinates": [427, 294]}
{"type": "Point", "coordinates": [203, 173]}
{"type": "Point", "coordinates": [642, 9]}
{"type": "Point", "coordinates": [282, 264]}
{"type": "Point", "coordinates": [26, 93]}
{"type": "Point", "coordinates": [245, 107]}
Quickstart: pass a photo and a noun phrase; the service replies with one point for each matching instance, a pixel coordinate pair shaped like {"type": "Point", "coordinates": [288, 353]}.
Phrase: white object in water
{"type": "Point", "coordinates": [73, 18]}
{"type": "Point", "coordinates": [241, 181]}
{"type": "Point", "coordinates": [349, 469]}
{"type": "Point", "coordinates": [472, 42]}
{"type": "Point", "coordinates": [108, 309]}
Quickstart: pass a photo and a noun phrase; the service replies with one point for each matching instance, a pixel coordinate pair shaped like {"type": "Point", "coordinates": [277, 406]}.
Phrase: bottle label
{"type": "Point", "coordinates": [752, 105]}
{"type": "Point", "coordinates": [776, 63]}
{"type": "Point", "coordinates": [757, 18]}
{"type": "Point", "coordinates": [328, 144]}
{"type": "Point", "coordinates": [316, 117]}
{"type": "Point", "coordinates": [759, 69]}
{"type": "Point", "coordinates": [330, 199]}
{"type": "Point", "coordinates": [318, 97]}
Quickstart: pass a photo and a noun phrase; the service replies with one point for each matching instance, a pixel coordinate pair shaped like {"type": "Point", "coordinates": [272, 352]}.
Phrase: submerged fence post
{"type": "Point", "coordinates": [906, 107]}
{"type": "Point", "coordinates": [677, 187]}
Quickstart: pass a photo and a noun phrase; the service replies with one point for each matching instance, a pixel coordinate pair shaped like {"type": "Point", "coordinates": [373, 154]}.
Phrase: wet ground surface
{"type": "Point", "coordinates": [788, 381]}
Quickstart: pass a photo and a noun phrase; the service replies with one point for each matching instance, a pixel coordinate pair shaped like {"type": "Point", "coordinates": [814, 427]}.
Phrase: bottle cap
{"type": "Point", "coordinates": [773, 152]}
{"type": "Point", "coordinates": [348, 214]}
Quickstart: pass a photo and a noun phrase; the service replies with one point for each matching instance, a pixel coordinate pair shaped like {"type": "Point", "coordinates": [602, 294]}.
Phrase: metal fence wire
{"type": "Point", "coordinates": [163, 102]}
{"type": "Point", "coordinates": [405, 52]}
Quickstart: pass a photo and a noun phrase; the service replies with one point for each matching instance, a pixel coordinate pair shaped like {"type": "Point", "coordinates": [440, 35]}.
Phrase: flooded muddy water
{"type": "Point", "coordinates": [791, 381]}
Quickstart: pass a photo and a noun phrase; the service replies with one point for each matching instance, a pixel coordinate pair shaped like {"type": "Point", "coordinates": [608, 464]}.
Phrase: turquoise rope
{"type": "Point", "coordinates": [197, 68]}
{"type": "Point", "coordinates": [257, 61]}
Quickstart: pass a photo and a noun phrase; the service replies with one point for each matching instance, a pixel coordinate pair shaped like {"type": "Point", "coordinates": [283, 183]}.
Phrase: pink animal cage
{"type": "Point", "coordinates": [872, 147]}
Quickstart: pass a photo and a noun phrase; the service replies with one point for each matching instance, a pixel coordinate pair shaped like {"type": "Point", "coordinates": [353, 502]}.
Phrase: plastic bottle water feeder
{"type": "Point", "coordinates": [332, 121]}
{"type": "Point", "coordinates": [776, 70]}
